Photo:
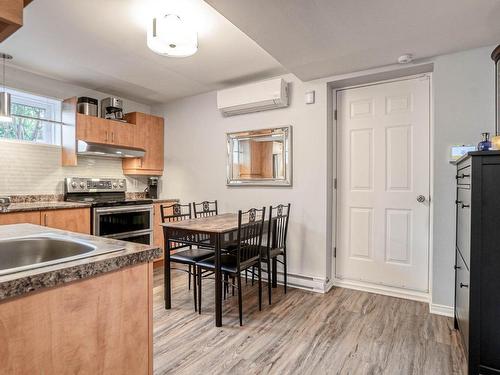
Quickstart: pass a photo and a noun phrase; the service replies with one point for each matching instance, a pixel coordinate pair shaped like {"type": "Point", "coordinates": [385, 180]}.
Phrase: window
{"type": "Point", "coordinates": [25, 129]}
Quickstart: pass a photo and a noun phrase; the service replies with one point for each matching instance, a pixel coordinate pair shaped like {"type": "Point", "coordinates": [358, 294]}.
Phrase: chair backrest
{"type": "Point", "coordinates": [250, 229]}
{"type": "Point", "coordinates": [278, 226]}
{"type": "Point", "coordinates": [179, 212]}
{"type": "Point", "coordinates": [205, 208]}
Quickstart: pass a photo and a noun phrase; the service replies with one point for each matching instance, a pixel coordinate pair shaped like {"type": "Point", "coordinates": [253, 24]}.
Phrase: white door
{"type": "Point", "coordinates": [383, 175]}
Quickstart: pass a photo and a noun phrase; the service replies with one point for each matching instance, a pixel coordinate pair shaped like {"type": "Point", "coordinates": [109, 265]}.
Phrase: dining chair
{"type": "Point", "coordinates": [277, 230]}
{"type": "Point", "coordinates": [183, 253]}
{"type": "Point", "coordinates": [247, 255]}
{"type": "Point", "coordinates": [205, 208]}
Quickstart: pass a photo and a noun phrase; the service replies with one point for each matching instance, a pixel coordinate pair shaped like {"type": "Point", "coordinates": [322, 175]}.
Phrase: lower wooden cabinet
{"type": "Point", "coordinates": [72, 219]}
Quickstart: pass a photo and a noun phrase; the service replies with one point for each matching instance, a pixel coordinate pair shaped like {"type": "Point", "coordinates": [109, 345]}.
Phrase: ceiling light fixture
{"type": "Point", "coordinates": [405, 59]}
{"type": "Point", "coordinates": [5, 115]}
{"type": "Point", "coordinates": [168, 35]}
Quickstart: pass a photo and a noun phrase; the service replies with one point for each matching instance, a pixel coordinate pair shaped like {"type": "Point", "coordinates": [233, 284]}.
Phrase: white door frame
{"type": "Point", "coordinates": [386, 290]}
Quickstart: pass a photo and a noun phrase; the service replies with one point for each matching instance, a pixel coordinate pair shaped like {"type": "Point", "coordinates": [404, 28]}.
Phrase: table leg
{"type": "Point", "coordinates": [218, 282]}
{"type": "Point", "coordinates": [167, 286]}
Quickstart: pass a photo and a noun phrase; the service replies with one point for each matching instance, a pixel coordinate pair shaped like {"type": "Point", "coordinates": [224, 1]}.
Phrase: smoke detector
{"type": "Point", "coordinates": [405, 59]}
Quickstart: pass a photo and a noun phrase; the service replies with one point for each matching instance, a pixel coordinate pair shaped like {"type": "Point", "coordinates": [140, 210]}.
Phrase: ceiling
{"type": "Point", "coordinates": [319, 38]}
{"type": "Point", "coordinates": [101, 45]}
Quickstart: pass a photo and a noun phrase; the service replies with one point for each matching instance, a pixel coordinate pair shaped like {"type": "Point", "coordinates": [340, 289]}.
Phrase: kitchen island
{"type": "Point", "coordinates": [90, 314]}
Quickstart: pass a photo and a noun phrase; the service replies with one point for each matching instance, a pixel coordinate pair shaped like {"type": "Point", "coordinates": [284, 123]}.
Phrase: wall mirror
{"type": "Point", "coordinates": [260, 157]}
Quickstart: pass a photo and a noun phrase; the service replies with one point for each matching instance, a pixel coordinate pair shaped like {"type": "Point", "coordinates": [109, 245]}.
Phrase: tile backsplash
{"type": "Point", "coordinates": [28, 168]}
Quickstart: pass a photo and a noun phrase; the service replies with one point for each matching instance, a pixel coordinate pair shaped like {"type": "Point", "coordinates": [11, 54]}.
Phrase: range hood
{"type": "Point", "coordinates": [85, 148]}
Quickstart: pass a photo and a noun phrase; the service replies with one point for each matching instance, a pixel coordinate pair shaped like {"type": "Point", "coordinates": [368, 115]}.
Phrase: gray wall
{"type": "Point", "coordinates": [463, 96]}
{"type": "Point", "coordinates": [464, 93]}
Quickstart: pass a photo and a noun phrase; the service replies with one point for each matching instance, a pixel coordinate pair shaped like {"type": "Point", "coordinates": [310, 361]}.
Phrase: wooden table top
{"type": "Point", "coordinates": [212, 224]}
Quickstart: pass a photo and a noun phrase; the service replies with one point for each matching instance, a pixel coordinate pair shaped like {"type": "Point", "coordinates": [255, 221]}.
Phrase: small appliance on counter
{"type": "Point", "coordinates": [87, 106]}
{"type": "Point", "coordinates": [112, 109]}
{"type": "Point", "coordinates": [152, 189]}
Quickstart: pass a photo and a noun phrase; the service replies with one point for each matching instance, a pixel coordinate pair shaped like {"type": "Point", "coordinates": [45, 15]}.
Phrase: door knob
{"type": "Point", "coordinates": [421, 199]}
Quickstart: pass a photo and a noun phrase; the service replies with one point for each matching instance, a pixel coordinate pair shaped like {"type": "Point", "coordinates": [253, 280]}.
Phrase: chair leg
{"type": "Point", "coordinates": [269, 285]}
{"type": "Point", "coordinates": [199, 289]}
{"type": "Point", "coordinates": [194, 287]}
{"type": "Point", "coordinates": [275, 272]}
{"type": "Point", "coordinates": [284, 272]}
{"type": "Point", "coordinates": [246, 276]}
{"type": "Point", "coordinates": [224, 284]}
{"type": "Point", "coordinates": [189, 278]}
{"type": "Point", "coordinates": [253, 274]}
{"type": "Point", "coordinates": [240, 302]}
{"type": "Point", "coordinates": [259, 275]}
{"type": "Point", "coordinates": [232, 286]}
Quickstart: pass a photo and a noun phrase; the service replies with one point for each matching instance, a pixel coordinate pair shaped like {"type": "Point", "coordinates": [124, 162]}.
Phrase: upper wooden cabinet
{"type": "Point", "coordinates": [11, 16]}
{"type": "Point", "coordinates": [149, 136]}
{"type": "Point", "coordinates": [99, 130]}
{"type": "Point", "coordinates": [140, 131]}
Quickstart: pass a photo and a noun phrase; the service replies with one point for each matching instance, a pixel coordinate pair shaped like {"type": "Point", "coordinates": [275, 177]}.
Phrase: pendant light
{"type": "Point", "coordinates": [5, 115]}
{"type": "Point", "coordinates": [168, 35]}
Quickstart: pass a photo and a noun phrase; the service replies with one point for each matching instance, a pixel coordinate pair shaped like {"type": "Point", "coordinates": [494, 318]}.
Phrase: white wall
{"type": "Point", "coordinates": [195, 165]}
{"type": "Point", "coordinates": [464, 96]}
{"type": "Point", "coordinates": [27, 168]}
{"type": "Point", "coordinates": [463, 91]}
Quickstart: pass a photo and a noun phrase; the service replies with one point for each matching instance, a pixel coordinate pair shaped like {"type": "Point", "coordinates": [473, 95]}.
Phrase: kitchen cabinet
{"type": "Point", "coordinates": [30, 217]}
{"type": "Point", "coordinates": [149, 135]}
{"type": "Point", "coordinates": [99, 130]}
{"type": "Point", "coordinates": [73, 219]}
{"type": "Point", "coordinates": [11, 16]}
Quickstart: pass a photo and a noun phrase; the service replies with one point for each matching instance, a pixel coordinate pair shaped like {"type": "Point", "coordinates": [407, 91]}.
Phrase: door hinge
{"type": "Point", "coordinates": [335, 114]}
{"type": "Point", "coordinates": [335, 252]}
{"type": "Point", "coordinates": [335, 183]}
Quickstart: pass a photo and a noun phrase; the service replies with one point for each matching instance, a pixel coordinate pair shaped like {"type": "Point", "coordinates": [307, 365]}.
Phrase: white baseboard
{"type": "Point", "coordinates": [382, 289]}
{"type": "Point", "coordinates": [314, 284]}
{"type": "Point", "coordinates": [444, 310]}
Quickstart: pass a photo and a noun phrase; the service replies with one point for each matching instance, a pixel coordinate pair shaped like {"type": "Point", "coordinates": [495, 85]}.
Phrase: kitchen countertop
{"type": "Point", "coordinates": [41, 205]}
{"type": "Point", "coordinates": [21, 283]}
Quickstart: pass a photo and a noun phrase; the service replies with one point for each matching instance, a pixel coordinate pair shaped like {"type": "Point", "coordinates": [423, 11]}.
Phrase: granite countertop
{"type": "Point", "coordinates": [21, 283]}
{"type": "Point", "coordinates": [42, 205]}
{"type": "Point", "coordinates": [165, 200]}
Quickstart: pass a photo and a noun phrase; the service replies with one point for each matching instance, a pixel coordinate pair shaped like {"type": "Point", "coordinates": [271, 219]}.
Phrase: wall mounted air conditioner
{"type": "Point", "coordinates": [253, 97]}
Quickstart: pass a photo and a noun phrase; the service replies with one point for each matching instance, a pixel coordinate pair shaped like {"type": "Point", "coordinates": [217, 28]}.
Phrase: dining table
{"type": "Point", "coordinates": [213, 231]}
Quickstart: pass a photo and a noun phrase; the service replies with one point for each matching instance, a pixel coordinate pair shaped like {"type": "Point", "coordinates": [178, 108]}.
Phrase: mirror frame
{"type": "Point", "coordinates": [287, 181]}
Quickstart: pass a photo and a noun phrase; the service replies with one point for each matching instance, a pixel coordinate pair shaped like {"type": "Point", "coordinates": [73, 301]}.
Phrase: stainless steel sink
{"type": "Point", "coordinates": [23, 253]}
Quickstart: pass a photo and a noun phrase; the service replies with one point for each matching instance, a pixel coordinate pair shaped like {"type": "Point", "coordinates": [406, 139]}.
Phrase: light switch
{"type": "Point", "coordinates": [309, 97]}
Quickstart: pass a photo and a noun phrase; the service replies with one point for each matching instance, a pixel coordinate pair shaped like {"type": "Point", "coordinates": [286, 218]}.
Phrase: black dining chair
{"type": "Point", "coordinates": [205, 209]}
{"type": "Point", "coordinates": [246, 255]}
{"type": "Point", "coordinates": [277, 230]}
{"type": "Point", "coordinates": [188, 256]}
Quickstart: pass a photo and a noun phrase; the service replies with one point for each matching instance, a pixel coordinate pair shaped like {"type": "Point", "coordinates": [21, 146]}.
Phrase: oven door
{"type": "Point", "coordinates": [129, 223]}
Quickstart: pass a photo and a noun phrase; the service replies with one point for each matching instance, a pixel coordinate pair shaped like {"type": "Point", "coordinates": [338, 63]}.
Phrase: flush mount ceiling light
{"type": "Point", "coordinates": [5, 115]}
{"type": "Point", "coordinates": [168, 35]}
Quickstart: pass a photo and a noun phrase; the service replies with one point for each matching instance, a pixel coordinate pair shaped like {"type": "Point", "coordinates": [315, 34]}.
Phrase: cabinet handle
{"type": "Point", "coordinates": [465, 205]}
{"type": "Point", "coordinates": [458, 202]}
{"type": "Point", "coordinates": [457, 267]}
{"type": "Point", "coordinates": [112, 137]}
{"type": "Point", "coordinates": [462, 176]}
{"type": "Point", "coordinates": [464, 285]}
{"type": "Point", "coordinates": [106, 132]}
{"type": "Point", "coordinates": [45, 219]}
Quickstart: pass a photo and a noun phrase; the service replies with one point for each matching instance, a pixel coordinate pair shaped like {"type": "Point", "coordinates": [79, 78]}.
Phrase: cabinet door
{"type": "Point", "coordinates": [121, 133]}
{"type": "Point", "coordinates": [31, 217]}
{"type": "Point", "coordinates": [92, 129]}
{"type": "Point", "coordinates": [73, 220]}
{"type": "Point", "coordinates": [463, 223]}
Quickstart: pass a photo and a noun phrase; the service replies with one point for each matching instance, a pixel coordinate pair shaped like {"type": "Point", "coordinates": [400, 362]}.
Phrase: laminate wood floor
{"type": "Point", "coordinates": [341, 332]}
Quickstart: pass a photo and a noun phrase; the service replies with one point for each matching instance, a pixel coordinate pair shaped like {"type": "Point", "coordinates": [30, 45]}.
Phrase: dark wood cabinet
{"type": "Point", "coordinates": [477, 260]}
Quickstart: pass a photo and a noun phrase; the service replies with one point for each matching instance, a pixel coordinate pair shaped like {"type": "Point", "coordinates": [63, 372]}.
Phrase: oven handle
{"type": "Point", "coordinates": [133, 233]}
{"type": "Point", "coordinates": [109, 210]}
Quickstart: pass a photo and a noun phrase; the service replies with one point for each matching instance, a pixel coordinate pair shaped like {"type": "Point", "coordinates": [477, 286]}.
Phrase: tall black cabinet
{"type": "Point", "coordinates": [477, 263]}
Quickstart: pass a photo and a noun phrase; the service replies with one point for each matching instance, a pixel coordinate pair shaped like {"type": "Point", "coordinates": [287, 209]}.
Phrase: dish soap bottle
{"type": "Point", "coordinates": [485, 144]}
